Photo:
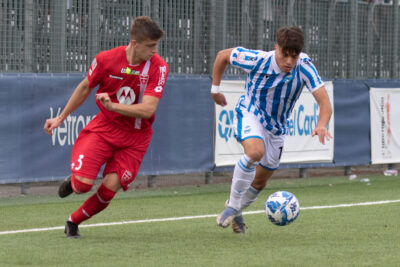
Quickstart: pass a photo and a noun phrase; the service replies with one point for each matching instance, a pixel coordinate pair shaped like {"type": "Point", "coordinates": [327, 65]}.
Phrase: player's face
{"type": "Point", "coordinates": [285, 60]}
{"type": "Point", "coordinates": [146, 49]}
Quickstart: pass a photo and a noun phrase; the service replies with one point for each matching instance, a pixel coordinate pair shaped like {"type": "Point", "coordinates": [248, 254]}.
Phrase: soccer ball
{"type": "Point", "coordinates": [282, 208]}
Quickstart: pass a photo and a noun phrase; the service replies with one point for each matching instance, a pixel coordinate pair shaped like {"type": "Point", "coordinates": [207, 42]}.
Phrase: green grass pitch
{"type": "Point", "coordinates": [341, 236]}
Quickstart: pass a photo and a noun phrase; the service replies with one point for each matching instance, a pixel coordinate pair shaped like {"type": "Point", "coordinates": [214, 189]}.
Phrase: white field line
{"type": "Point", "coordinates": [193, 217]}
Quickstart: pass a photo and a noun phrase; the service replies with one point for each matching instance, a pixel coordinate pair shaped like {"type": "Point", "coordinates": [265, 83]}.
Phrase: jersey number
{"type": "Point", "coordinates": [77, 168]}
{"type": "Point", "coordinates": [280, 152]}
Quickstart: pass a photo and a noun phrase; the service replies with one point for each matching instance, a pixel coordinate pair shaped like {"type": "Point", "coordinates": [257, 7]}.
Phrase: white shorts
{"type": "Point", "coordinates": [247, 125]}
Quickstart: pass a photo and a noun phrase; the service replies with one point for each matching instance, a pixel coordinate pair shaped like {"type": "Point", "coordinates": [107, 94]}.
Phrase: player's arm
{"type": "Point", "coordinates": [79, 96]}
{"type": "Point", "coordinates": [144, 110]}
{"type": "Point", "coordinates": [221, 62]}
{"type": "Point", "coordinates": [322, 98]}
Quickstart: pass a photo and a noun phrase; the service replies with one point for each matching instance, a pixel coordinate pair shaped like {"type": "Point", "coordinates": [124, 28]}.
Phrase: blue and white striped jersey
{"type": "Point", "coordinates": [270, 94]}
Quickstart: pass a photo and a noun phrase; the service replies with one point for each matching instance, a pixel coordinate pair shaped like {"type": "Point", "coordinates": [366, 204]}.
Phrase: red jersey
{"type": "Point", "coordinates": [126, 83]}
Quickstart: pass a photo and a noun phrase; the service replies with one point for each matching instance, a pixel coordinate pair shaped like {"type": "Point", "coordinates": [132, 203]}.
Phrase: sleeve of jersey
{"type": "Point", "coordinates": [94, 74]}
{"type": "Point", "coordinates": [157, 79]}
{"type": "Point", "coordinates": [310, 75]}
{"type": "Point", "coordinates": [243, 58]}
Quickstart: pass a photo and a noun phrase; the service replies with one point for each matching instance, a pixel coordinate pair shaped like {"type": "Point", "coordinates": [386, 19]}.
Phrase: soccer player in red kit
{"type": "Point", "coordinates": [131, 81]}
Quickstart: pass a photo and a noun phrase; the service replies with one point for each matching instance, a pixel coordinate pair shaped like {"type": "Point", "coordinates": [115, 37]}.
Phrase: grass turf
{"type": "Point", "coordinates": [350, 236]}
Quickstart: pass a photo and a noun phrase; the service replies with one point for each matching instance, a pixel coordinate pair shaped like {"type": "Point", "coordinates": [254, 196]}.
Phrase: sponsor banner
{"type": "Point", "coordinates": [385, 128]}
{"type": "Point", "coordinates": [227, 149]}
{"type": "Point", "coordinates": [28, 154]}
{"type": "Point", "coordinates": [66, 134]}
{"type": "Point", "coordinates": [34, 154]}
{"type": "Point", "coordinates": [300, 146]}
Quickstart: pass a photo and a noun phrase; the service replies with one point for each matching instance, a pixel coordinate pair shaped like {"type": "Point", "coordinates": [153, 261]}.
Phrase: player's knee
{"type": "Point", "coordinates": [255, 154]}
{"type": "Point", "coordinates": [80, 187]}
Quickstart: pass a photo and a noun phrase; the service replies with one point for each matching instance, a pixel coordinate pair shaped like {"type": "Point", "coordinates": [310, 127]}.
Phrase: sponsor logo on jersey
{"type": "Point", "coordinates": [130, 71]}
{"type": "Point", "coordinates": [307, 61]}
{"type": "Point", "coordinates": [94, 63]}
{"type": "Point", "coordinates": [126, 95]}
{"type": "Point", "coordinates": [163, 72]}
{"type": "Point", "coordinates": [243, 57]}
{"type": "Point", "coordinates": [247, 129]}
{"type": "Point", "coordinates": [116, 77]}
{"type": "Point", "coordinates": [92, 66]}
{"type": "Point", "coordinates": [158, 89]}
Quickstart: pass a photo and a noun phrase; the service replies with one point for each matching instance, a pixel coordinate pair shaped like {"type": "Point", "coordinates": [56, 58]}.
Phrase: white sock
{"type": "Point", "coordinates": [243, 176]}
{"type": "Point", "coordinates": [248, 197]}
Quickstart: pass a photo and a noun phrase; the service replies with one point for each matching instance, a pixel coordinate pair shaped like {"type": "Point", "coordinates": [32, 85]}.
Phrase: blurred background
{"type": "Point", "coordinates": [46, 48]}
{"type": "Point", "coordinates": [346, 39]}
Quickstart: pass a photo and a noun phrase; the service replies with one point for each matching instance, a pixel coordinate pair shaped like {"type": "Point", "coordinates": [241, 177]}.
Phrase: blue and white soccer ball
{"type": "Point", "coordinates": [282, 208]}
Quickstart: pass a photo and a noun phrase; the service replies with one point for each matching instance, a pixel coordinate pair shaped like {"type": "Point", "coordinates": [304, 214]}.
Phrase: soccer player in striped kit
{"type": "Point", "coordinates": [274, 82]}
{"type": "Point", "coordinates": [131, 81]}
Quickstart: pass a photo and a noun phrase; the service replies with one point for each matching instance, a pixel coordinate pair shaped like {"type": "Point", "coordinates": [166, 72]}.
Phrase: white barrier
{"type": "Point", "coordinates": [300, 147]}
{"type": "Point", "coordinates": [385, 125]}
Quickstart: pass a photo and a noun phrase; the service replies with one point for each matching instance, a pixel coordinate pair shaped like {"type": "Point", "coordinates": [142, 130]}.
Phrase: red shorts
{"type": "Point", "coordinates": [100, 142]}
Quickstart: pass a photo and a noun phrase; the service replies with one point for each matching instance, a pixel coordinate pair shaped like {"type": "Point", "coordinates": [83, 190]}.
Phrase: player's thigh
{"type": "Point", "coordinates": [89, 153]}
{"type": "Point", "coordinates": [126, 162]}
{"type": "Point", "coordinates": [273, 150]}
{"type": "Point", "coordinates": [254, 148]}
{"type": "Point", "coordinates": [250, 132]}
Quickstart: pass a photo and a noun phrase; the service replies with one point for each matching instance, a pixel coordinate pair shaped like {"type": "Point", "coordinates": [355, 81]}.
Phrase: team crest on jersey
{"type": "Point", "coordinates": [126, 176]}
{"type": "Point", "coordinates": [126, 95]}
{"type": "Point", "coordinates": [288, 79]}
{"type": "Point", "coordinates": [144, 78]}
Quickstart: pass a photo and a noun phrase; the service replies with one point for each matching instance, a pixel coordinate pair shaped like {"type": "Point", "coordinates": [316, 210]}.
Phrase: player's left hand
{"type": "Point", "coordinates": [322, 133]}
{"type": "Point", "coordinates": [105, 100]}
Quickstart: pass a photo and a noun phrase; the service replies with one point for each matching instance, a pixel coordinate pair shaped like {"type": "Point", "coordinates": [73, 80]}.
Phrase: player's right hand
{"type": "Point", "coordinates": [322, 134]}
{"type": "Point", "coordinates": [105, 100]}
{"type": "Point", "coordinates": [51, 124]}
{"type": "Point", "coordinates": [219, 99]}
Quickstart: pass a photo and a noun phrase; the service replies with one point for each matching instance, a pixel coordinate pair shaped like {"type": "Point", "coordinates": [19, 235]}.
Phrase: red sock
{"type": "Point", "coordinates": [80, 187]}
{"type": "Point", "coordinates": [93, 205]}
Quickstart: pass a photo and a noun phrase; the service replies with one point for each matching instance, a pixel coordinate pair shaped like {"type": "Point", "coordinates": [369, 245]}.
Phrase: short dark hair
{"type": "Point", "coordinates": [144, 28]}
{"type": "Point", "coordinates": [290, 40]}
